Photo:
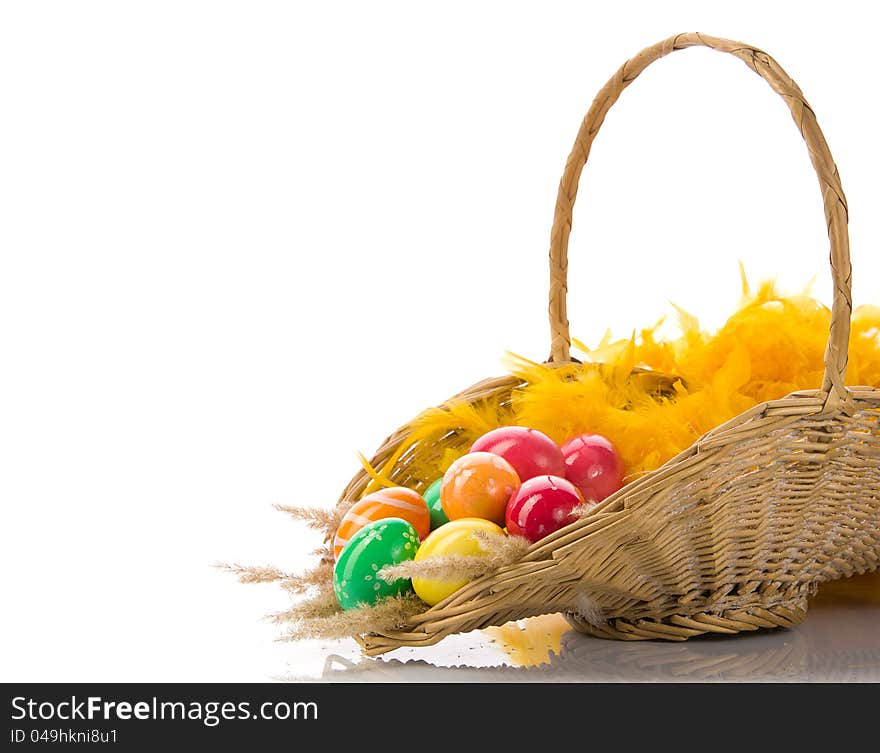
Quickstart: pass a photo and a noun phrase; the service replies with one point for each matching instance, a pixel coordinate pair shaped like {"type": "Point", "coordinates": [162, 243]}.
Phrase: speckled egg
{"type": "Point", "coordinates": [379, 544]}
{"type": "Point", "coordinates": [478, 485]}
{"type": "Point", "coordinates": [393, 502]}
{"type": "Point", "coordinates": [432, 498]}
{"type": "Point", "coordinates": [455, 537]}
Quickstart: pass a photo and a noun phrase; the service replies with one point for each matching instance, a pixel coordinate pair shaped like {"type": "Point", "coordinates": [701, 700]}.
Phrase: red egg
{"type": "Point", "coordinates": [542, 505]}
{"type": "Point", "coordinates": [593, 465]}
{"type": "Point", "coordinates": [530, 452]}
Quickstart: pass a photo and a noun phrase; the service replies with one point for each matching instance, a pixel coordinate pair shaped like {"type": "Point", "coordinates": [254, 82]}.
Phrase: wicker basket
{"type": "Point", "coordinates": [731, 535]}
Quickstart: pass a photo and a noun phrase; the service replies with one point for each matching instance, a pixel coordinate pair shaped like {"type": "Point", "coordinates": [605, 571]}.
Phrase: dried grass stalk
{"type": "Point", "coordinates": [389, 614]}
{"type": "Point", "coordinates": [589, 610]}
{"type": "Point", "coordinates": [499, 550]}
{"type": "Point", "coordinates": [318, 518]}
{"type": "Point", "coordinates": [255, 573]}
{"type": "Point", "coordinates": [320, 605]}
{"type": "Point", "coordinates": [319, 575]}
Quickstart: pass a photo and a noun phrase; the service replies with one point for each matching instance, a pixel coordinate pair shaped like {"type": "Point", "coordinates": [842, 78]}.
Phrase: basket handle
{"type": "Point", "coordinates": [832, 196]}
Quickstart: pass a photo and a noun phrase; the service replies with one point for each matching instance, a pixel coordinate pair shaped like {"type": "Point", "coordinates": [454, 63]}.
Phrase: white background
{"type": "Point", "coordinates": [241, 241]}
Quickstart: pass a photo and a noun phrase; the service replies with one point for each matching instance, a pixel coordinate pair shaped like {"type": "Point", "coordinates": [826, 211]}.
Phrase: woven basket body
{"type": "Point", "coordinates": [734, 533]}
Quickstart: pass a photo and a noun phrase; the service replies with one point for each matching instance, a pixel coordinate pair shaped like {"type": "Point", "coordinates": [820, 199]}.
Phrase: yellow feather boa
{"type": "Point", "coordinates": [771, 346]}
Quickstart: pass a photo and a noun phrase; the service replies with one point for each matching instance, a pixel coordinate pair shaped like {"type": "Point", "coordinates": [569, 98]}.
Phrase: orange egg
{"type": "Point", "coordinates": [478, 485]}
{"type": "Point", "coordinates": [394, 502]}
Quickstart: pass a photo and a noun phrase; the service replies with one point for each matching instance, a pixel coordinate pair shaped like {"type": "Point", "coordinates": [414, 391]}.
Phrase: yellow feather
{"type": "Point", "coordinates": [378, 478]}
{"type": "Point", "coordinates": [771, 346]}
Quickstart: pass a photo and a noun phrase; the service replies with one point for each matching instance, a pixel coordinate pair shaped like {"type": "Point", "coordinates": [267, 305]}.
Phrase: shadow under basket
{"type": "Point", "coordinates": [731, 535]}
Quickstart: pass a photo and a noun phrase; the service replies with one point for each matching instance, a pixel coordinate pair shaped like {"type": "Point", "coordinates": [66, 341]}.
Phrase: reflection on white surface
{"type": "Point", "coordinates": [839, 642]}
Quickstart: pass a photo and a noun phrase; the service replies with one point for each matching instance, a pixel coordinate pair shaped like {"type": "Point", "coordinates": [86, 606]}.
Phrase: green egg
{"type": "Point", "coordinates": [384, 542]}
{"type": "Point", "coordinates": [432, 497]}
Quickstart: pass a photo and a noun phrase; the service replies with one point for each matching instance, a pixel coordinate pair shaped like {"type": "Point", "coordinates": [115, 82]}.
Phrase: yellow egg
{"type": "Point", "coordinates": [455, 537]}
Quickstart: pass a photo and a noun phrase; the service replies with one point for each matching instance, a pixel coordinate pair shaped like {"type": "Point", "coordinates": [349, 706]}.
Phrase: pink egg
{"type": "Point", "coordinates": [530, 452]}
{"type": "Point", "coordinates": [593, 465]}
{"type": "Point", "coordinates": [542, 505]}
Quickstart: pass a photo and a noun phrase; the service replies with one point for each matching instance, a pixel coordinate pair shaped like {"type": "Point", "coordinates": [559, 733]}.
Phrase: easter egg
{"type": "Point", "coordinates": [478, 485]}
{"type": "Point", "coordinates": [432, 497]}
{"type": "Point", "coordinates": [394, 502]}
{"type": "Point", "coordinates": [454, 537]}
{"type": "Point", "coordinates": [542, 505]}
{"type": "Point", "coordinates": [593, 465]}
{"type": "Point", "coordinates": [530, 452]}
{"type": "Point", "coordinates": [379, 544]}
